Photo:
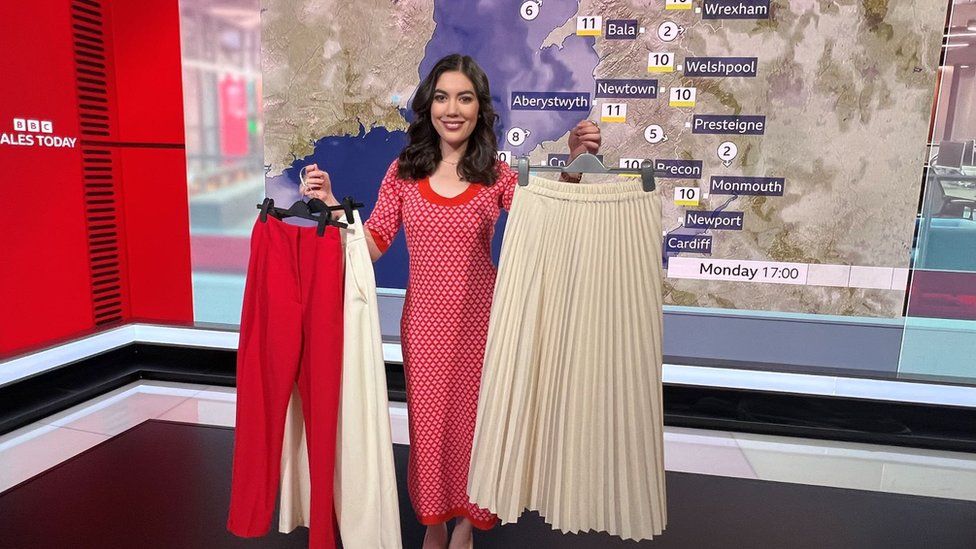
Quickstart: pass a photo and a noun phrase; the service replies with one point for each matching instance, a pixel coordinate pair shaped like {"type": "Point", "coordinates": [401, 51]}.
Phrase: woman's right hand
{"type": "Point", "coordinates": [317, 184]}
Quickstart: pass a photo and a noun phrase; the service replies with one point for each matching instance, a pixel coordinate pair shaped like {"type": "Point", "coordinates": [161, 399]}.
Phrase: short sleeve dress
{"type": "Point", "coordinates": [444, 328]}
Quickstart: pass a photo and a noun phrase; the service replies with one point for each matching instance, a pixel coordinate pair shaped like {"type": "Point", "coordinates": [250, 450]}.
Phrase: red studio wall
{"type": "Point", "coordinates": [96, 224]}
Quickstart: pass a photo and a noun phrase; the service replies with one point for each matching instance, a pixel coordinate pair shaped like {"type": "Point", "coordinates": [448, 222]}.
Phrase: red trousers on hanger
{"type": "Point", "coordinates": [291, 332]}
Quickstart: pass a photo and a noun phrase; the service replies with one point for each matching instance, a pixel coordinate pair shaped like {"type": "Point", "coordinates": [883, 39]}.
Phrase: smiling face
{"type": "Point", "coordinates": [454, 110]}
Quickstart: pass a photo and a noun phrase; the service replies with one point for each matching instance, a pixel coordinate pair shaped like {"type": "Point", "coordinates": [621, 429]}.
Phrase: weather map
{"type": "Point", "coordinates": [788, 136]}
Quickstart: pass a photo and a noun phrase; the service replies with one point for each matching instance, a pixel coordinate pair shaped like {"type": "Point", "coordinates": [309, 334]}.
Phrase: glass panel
{"type": "Point", "coordinates": [939, 341]}
{"type": "Point", "coordinates": [221, 42]}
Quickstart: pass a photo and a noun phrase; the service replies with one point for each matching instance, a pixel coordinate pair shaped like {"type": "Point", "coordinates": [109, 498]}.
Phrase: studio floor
{"type": "Point", "coordinates": [103, 475]}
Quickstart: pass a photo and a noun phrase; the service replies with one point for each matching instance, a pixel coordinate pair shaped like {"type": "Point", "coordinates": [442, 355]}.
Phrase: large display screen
{"type": "Point", "coordinates": [788, 136]}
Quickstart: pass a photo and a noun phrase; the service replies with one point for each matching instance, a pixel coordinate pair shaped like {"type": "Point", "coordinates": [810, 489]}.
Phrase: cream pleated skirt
{"type": "Point", "coordinates": [365, 488]}
{"type": "Point", "coordinates": [570, 420]}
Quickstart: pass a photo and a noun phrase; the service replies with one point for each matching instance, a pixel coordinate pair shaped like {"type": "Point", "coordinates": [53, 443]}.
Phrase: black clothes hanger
{"type": "Point", "coordinates": [313, 210]}
{"type": "Point", "coordinates": [348, 205]}
{"type": "Point", "coordinates": [588, 163]}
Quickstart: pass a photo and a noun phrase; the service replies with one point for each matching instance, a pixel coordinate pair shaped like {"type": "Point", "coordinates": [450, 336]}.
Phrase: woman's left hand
{"type": "Point", "coordinates": [584, 138]}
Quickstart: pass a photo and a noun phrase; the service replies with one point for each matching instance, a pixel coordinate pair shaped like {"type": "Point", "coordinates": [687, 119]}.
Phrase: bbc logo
{"type": "Point", "coordinates": [33, 126]}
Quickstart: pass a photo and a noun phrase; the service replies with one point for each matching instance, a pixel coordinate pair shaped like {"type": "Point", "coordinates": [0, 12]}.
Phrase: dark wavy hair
{"type": "Point", "coordinates": [420, 157]}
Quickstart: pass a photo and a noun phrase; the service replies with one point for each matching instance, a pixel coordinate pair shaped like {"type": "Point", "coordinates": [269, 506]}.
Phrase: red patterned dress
{"type": "Point", "coordinates": [444, 328]}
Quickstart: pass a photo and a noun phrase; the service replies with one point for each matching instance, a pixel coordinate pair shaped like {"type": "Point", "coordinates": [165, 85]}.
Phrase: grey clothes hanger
{"type": "Point", "coordinates": [588, 163]}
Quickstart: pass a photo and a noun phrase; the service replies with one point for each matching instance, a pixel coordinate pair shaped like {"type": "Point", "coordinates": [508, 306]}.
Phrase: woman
{"type": "Point", "coordinates": [447, 190]}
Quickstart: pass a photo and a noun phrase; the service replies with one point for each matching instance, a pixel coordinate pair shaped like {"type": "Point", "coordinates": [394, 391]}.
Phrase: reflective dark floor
{"type": "Point", "coordinates": [166, 484]}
